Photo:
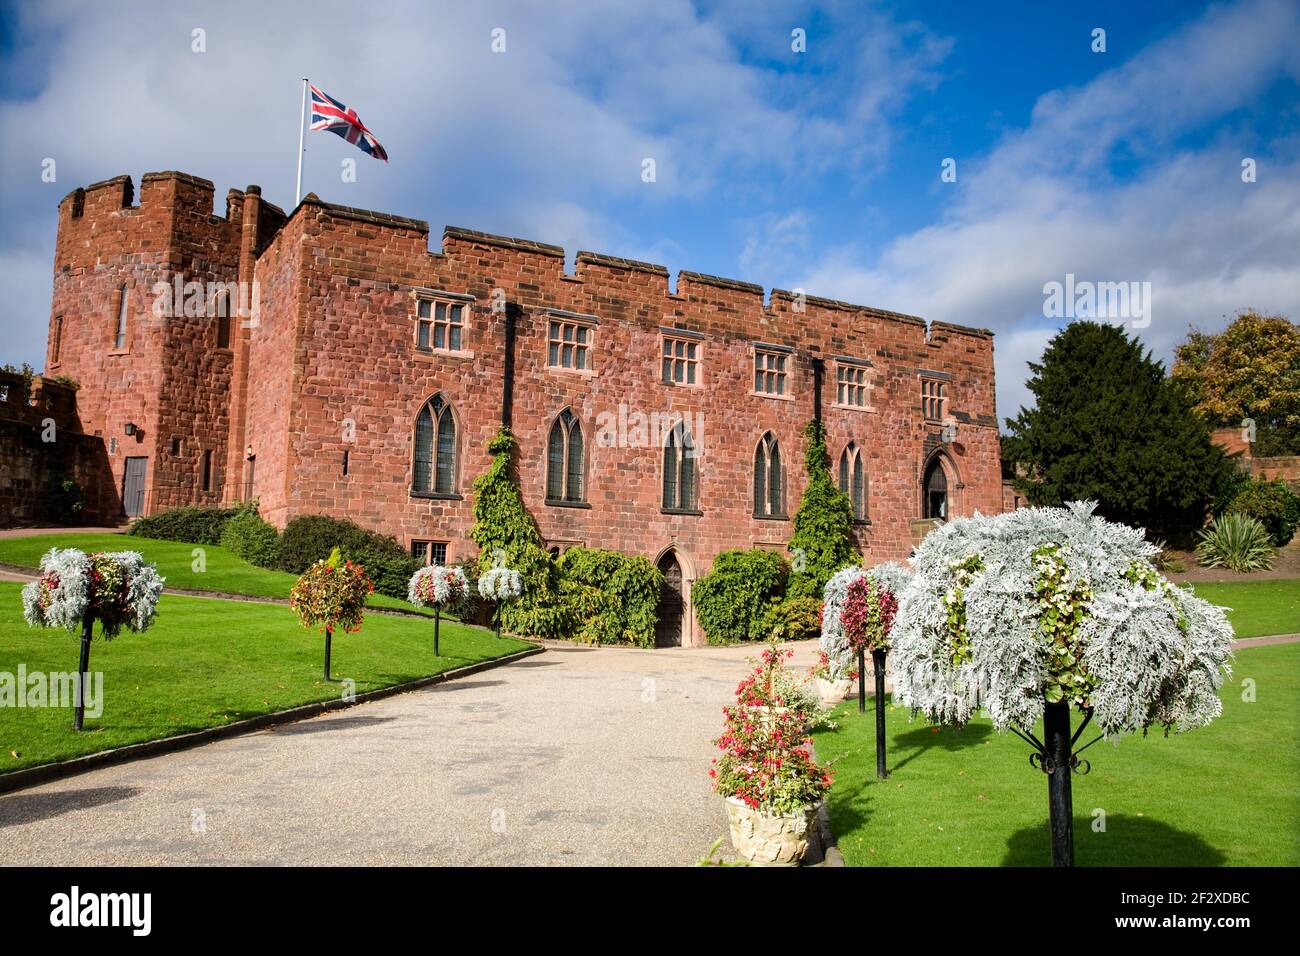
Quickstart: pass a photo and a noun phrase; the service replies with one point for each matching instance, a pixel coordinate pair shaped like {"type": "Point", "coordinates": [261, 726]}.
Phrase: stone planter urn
{"type": "Point", "coordinates": [833, 691]}
{"type": "Point", "coordinates": [767, 840]}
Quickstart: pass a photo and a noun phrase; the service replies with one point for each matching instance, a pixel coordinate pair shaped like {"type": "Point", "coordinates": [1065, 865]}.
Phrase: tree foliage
{"type": "Point", "coordinates": [822, 542]}
{"type": "Point", "coordinates": [507, 536]}
{"type": "Point", "coordinates": [1107, 426]}
{"type": "Point", "coordinates": [612, 598]}
{"type": "Point", "coordinates": [732, 601]}
{"type": "Point", "coordinates": [1272, 503]}
{"type": "Point", "coordinates": [1248, 373]}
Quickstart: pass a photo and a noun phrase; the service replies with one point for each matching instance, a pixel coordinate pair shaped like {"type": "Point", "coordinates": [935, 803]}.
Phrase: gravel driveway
{"type": "Point", "coordinates": [574, 756]}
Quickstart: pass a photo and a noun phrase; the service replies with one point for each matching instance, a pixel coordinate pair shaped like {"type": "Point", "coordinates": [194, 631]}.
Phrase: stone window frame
{"type": "Point", "coordinates": [784, 376]}
{"type": "Point", "coordinates": [693, 355]}
{"type": "Point", "coordinates": [579, 322]}
{"type": "Point", "coordinates": [934, 395]}
{"type": "Point", "coordinates": [557, 546]}
{"type": "Point", "coordinates": [567, 429]}
{"type": "Point", "coordinates": [434, 298]}
{"type": "Point", "coordinates": [449, 409]}
{"type": "Point", "coordinates": [56, 340]}
{"type": "Point", "coordinates": [680, 451]}
{"type": "Point", "coordinates": [847, 367]}
{"type": "Point", "coordinates": [427, 549]}
{"type": "Point", "coordinates": [121, 321]}
{"type": "Point", "coordinates": [767, 458]}
{"type": "Point", "coordinates": [848, 465]}
{"type": "Point", "coordinates": [221, 323]}
{"type": "Point", "coordinates": [205, 470]}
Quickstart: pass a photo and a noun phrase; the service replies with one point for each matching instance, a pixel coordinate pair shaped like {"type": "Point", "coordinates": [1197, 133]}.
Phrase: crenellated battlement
{"type": "Point", "coordinates": [546, 260]}
{"type": "Point", "coordinates": [363, 316]}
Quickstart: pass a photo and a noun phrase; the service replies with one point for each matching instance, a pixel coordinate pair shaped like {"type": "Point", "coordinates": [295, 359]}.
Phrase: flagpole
{"type": "Point", "coordinates": [302, 124]}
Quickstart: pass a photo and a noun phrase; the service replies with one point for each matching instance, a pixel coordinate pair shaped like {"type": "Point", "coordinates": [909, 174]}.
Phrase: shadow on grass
{"type": "Point", "coordinates": [30, 807]}
{"type": "Point", "coordinates": [1127, 841]}
{"type": "Point", "coordinates": [914, 743]}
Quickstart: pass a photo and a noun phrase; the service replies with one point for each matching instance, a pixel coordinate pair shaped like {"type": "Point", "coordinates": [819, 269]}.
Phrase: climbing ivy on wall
{"type": "Point", "coordinates": [822, 542]}
{"type": "Point", "coordinates": [507, 536]}
{"type": "Point", "coordinates": [612, 598]}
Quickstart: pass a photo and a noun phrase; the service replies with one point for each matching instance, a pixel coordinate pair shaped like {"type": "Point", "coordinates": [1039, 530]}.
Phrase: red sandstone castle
{"type": "Point", "coordinates": [362, 375]}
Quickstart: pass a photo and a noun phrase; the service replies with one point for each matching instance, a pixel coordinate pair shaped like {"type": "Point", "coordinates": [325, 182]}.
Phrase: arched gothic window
{"type": "Point", "coordinates": [679, 470]}
{"type": "Point", "coordinates": [564, 459]}
{"type": "Point", "coordinates": [853, 480]}
{"type": "Point", "coordinates": [769, 480]}
{"type": "Point", "coordinates": [435, 448]}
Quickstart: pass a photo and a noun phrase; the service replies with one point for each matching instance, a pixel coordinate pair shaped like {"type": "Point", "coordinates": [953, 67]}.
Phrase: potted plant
{"type": "Point", "coordinates": [500, 585]}
{"type": "Point", "coordinates": [831, 689]}
{"type": "Point", "coordinates": [330, 594]}
{"type": "Point", "coordinates": [1035, 612]}
{"type": "Point", "coordinates": [841, 659]}
{"type": "Point", "coordinates": [766, 772]}
{"type": "Point", "coordinates": [436, 586]}
{"type": "Point", "coordinates": [118, 589]}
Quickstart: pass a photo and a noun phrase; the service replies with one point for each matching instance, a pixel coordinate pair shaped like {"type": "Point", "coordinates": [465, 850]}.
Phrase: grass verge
{"type": "Point", "coordinates": [1259, 608]}
{"type": "Point", "coordinates": [207, 662]}
{"type": "Point", "coordinates": [221, 571]}
{"type": "Point", "coordinates": [1226, 794]}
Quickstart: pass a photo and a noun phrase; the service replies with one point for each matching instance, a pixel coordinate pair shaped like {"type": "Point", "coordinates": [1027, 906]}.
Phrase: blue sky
{"type": "Point", "coordinates": [817, 170]}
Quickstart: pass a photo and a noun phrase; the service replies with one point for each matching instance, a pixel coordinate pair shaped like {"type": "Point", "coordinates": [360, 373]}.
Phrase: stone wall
{"type": "Point", "coordinates": [41, 443]}
{"type": "Point", "coordinates": [327, 366]}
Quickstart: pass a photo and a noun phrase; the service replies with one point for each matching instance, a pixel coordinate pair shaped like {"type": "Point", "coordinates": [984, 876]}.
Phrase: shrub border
{"type": "Point", "coordinates": [47, 772]}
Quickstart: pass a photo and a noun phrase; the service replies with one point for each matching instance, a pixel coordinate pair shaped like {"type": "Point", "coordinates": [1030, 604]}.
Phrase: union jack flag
{"type": "Point", "coordinates": [329, 114]}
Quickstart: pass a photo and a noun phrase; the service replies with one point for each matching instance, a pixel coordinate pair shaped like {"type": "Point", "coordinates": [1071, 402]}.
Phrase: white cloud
{"type": "Point", "coordinates": [539, 141]}
{"type": "Point", "coordinates": [1042, 203]}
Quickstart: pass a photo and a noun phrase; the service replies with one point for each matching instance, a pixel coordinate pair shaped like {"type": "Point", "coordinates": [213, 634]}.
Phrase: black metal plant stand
{"type": "Point", "coordinates": [437, 617]}
{"type": "Point", "coordinates": [497, 617]}
{"type": "Point", "coordinates": [1056, 757]}
{"type": "Point", "coordinates": [862, 682]}
{"type": "Point", "coordinates": [878, 662]}
{"type": "Point", "coordinates": [83, 672]}
{"type": "Point", "coordinates": [329, 633]}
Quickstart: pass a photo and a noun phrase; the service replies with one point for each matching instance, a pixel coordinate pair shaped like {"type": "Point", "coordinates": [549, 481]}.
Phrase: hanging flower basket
{"type": "Point", "coordinates": [331, 594]}
{"type": "Point", "coordinates": [501, 586]}
{"type": "Point", "coordinates": [118, 589]}
{"type": "Point", "coordinates": [437, 587]}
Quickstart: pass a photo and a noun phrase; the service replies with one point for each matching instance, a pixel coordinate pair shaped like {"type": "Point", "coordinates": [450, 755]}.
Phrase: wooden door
{"type": "Point", "coordinates": [133, 487]}
{"type": "Point", "coordinates": [668, 629]}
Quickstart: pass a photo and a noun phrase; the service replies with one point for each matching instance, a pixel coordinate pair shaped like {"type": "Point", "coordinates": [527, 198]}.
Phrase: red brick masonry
{"type": "Point", "coordinates": [328, 365]}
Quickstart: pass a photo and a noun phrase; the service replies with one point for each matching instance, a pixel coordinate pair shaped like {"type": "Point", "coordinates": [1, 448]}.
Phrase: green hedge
{"type": "Point", "coordinates": [793, 619]}
{"type": "Point", "coordinates": [1272, 503]}
{"type": "Point", "coordinates": [192, 525]}
{"type": "Point", "coordinates": [733, 600]}
{"type": "Point", "coordinates": [311, 537]}
{"type": "Point", "coordinates": [612, 598]}
{"type": "Point", "coordinates": [251, 538]}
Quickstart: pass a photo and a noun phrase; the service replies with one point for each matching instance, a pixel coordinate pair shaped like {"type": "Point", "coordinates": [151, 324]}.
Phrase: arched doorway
{"type": "Point", "coordinates": [934, 490]}
{"type": "Point", "coordinates": [672, 604]}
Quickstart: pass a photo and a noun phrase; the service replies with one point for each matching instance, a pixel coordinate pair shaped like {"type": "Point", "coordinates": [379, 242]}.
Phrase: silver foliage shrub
{"type": "Point", "coordinates": [1158, 653]}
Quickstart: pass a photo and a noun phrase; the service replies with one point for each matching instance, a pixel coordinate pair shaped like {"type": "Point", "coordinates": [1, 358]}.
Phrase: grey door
{"type": "Point", "coordinates": [133, 487]}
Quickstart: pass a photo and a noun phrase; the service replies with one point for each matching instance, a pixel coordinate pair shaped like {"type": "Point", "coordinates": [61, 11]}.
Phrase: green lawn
{"type": "Point", "coordinates": [207, 662]}
{"type": "Point", "coordinates": [1227, 794]}
{"type": "Point", "coordinates": [221, 571]}
{"type": "Point", "coordinates": [1258, 607]}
